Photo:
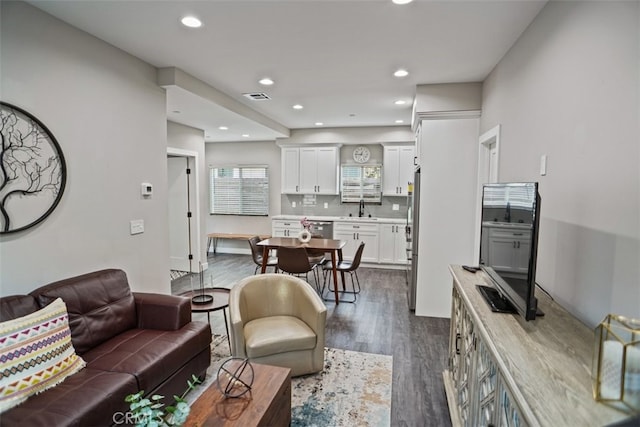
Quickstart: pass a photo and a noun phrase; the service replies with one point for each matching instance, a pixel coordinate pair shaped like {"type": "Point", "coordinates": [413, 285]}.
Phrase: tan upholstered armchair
{"type": "Point", "coordinates": [279, 320]}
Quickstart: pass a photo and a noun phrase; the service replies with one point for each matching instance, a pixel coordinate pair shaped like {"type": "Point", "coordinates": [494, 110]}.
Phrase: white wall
{"type": "Point", "coordinates": [186, 138]}
{"type": "Point", "coordinates": [447, 150]}
{"type": "Point", "coordinates": [359, 135]}
{"type": "Point", "coordinates": [108, 115]}
{"type": "Point", "coordinates": [237, 153]}
{"type": "Point", "coordinates": [448, 173]}
{"type": "Point", "coordinates": [569, 88]}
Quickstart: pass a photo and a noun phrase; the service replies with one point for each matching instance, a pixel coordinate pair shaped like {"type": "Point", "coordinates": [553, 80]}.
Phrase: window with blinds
{"type": "Point", "coordinates": [239, 190]}
{"type": "Point", "coordinates": [516, 195]}
{"type": "Point", "coordinates": [360, 182]}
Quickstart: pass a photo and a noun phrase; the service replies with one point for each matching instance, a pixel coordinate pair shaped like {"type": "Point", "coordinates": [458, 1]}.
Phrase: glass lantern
{"type": "Point", "coordinates": [199, 296]}
{"type": "Point", "coordinates": [616, 363]}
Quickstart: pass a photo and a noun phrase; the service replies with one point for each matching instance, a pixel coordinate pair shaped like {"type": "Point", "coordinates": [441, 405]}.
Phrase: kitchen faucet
{"type": "Point", "coordinates": [361, 209]}
{"type": "Point", "coordinates": [507, 213]}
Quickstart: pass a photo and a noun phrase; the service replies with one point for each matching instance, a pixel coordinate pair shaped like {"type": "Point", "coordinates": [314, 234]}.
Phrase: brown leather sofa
{"type": "Point", "coordinates": [130, 341]}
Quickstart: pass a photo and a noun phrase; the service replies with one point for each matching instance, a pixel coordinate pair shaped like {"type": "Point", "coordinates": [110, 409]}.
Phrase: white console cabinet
{"type": "Point", "coordinates": [505, 371]}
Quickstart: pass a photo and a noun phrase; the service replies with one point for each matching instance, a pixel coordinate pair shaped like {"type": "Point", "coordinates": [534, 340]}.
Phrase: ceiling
{"type": "Point", "coordinates": [335, 58]}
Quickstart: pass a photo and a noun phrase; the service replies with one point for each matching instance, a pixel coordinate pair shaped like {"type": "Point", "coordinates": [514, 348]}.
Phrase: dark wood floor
{"type": "Point", "coordinates": [379, 322]}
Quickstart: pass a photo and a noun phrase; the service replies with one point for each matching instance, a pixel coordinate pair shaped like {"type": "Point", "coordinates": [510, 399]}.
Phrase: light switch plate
{"type": "Point", "coordinates": [326, 205]}
{"type": "Point", "coordinates": [293, 204]}
{"type": "Point", "coordinates": [543, 165]}
{"type": "Point", "coordinates": [136, 226]}
{"type": "Point", "coordinates": [395, 207]}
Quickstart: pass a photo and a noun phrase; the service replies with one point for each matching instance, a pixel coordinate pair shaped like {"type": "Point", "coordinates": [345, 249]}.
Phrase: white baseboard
{"type": "Point", "coordinates": [240, 251]}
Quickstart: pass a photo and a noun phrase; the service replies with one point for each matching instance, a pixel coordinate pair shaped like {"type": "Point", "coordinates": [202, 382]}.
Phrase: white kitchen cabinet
{"type": "Point", "coordinates": [285, 228]}
{"type": "Point", "coordinates": [508, 248]}
{"type": "Point", "coordinates": [353, 234]}
{"type": "Point", "coordinates": [393, 249]}
{"type": "Point", "coordinates": [398, 169]}
{"type": "Point", "coordinates": [290, 170]}
{"type": "Point", "coordinates": [310, 170]}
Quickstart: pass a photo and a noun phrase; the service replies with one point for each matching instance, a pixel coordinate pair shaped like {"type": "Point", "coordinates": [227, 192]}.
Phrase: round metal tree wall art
{"type": "Point", "coordinates": [32, 170]}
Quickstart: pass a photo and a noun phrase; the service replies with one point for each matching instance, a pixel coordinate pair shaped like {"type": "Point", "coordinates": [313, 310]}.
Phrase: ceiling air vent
{"type": "Point", "coordinates": [257, 96]}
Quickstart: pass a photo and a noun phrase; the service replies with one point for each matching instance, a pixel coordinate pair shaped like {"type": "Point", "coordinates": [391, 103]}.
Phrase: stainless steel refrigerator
{"type": "Point", "coordinates": [413, 229]}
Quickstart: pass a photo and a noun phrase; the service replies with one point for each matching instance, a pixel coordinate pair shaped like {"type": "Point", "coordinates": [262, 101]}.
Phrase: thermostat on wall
{"type": "Point", "coordinates": [146, 189]}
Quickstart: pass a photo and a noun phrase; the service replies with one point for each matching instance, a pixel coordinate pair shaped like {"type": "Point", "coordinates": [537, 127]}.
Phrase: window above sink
{"type": "Point", "coordinates": [361, 182]}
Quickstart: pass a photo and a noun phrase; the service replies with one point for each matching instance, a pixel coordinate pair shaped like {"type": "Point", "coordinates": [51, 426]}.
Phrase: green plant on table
{"type": "Point", "coordinates": [150, 411]}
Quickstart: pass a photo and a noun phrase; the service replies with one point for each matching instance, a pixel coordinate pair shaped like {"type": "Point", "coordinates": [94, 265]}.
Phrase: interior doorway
{"type": "Point", "coordinates": [183, 212]}
{"type": "Point", "coordinates": [488, 167]}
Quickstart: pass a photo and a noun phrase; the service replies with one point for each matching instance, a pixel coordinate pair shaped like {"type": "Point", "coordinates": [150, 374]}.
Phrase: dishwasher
{"type": "Point", "coordinates": [323, 228]}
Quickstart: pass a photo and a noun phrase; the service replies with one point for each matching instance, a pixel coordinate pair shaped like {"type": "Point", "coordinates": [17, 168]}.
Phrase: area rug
{"type": "Point", "coordinates": [353, 390]}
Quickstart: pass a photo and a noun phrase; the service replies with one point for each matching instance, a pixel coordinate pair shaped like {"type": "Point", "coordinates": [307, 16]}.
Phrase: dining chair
{"type": "Point", "coordinates": [256, 253]}
{"type": "Point", "coordinates": [295, 261]}
{"type": "Point", "coordinates": [317, 257]}
{"type": "Point", "coordinates": [350, 267]}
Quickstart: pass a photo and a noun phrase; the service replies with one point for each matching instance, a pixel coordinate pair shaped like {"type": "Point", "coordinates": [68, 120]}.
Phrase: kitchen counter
{"type": "Point", "coordinates": [342, 219]}
{"type": "Point", "coordinates": [506, 225]}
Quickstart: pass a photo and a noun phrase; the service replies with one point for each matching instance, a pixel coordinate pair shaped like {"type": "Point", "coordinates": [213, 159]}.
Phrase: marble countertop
{"type": "Point", "coordinates": [507, 225]}
{"type": "Point", "coordinates": [342, 219]}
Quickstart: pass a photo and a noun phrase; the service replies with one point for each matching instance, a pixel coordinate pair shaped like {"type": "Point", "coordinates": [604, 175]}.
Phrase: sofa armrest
{"type": "Point", "coordinates": [163, 312]}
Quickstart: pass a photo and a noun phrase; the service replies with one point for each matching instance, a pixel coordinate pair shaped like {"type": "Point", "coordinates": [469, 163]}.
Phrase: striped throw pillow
{"type": "Point", "coordinates": [35, 354]}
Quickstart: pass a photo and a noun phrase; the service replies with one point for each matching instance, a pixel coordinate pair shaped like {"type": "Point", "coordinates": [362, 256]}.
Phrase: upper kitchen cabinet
{"type": "Point", "coordinates": [290, 170]}
{"type": "Point", "coordinates": [310, 170]}
{"type": "Point", "coordinates": [319, 170]}
{"type": "Point", "coordinates": [398, 169]}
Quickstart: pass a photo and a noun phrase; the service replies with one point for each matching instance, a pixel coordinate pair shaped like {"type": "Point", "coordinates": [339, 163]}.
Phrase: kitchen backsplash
{"type": "Point", "coordinates": [313, 205]}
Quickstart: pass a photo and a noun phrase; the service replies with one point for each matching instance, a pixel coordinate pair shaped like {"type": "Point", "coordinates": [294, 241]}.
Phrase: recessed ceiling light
{"type": "Point", "coordinates": [402, 1]}
{"type": "Point", "coordinates": [297, 107]}
{"type": "Point", "coordinates": [399, 121]}
{"type": "Point", "coordinates": [319, 123]}
{"type": "Point", "coordinates": [223, 128]}
{"type": "Point", "coordinates": [400, 102]}
{"type": "Point", "coordinates": [401, 72]}
{"type": "Point", "coordinates": [266, 81]}
{"type": "Point", "coordinates": [245, 135]}
{"type": "Point", "coordinates": [191, 22]}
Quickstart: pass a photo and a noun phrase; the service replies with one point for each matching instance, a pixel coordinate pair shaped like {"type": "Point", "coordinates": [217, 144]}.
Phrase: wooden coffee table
{"type": "Point", "coordinates": [267, 404]}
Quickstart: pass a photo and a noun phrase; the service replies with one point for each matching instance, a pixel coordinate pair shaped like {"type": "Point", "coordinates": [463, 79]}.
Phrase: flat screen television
{"type": "Point", "coordinates": [508, 246]}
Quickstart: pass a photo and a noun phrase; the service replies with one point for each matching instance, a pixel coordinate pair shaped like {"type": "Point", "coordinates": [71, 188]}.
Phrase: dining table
{"type": "Point", "coordinates": [332, 246]}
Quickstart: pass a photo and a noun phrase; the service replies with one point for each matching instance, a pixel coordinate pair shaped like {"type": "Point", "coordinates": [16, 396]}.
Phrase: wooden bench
{"type": "Point", "coordinates": [212, 238]}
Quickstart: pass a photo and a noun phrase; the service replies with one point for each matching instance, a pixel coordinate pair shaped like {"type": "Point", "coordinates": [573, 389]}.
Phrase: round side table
{"type": "Point", "coordinates": [220, 302]}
